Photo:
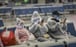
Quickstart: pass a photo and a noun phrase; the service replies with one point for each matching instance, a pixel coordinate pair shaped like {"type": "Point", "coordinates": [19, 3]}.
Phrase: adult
{"type": "Point", "coordinates": [40, 31]}
{"type": "Point", "coordinates": [22, 35]}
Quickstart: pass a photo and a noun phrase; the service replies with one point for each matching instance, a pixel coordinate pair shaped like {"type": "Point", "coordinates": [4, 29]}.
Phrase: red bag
{"type": "Point", "coordinates": [8, 38]}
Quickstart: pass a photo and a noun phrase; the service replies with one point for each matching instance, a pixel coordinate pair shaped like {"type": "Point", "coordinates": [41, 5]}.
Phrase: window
{"type": "Point", "coordinates": [50, 1]}
{"type": "Point", "coordinates": [70, 0]}
{"type": "Point", "coordinates": [35, 1]}
{"type": "Point", "coordinates": [60, 1]}
{"type": "Point", "coordinates": [26, 1]}
{"type": "Point", "coordinates": [30, 1]}
{"type": "Point", "coordinates": [74, 0]}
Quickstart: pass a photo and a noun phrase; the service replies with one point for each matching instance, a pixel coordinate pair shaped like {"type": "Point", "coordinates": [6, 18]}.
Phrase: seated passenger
{"type": "Point", "coordinates": [22, 35]}
{"type": "Point", "coordinates": [40, 31]}
{"type": "Point", "coordinates": [61, 20]}
{"type": "Point", "coordinates": [55, 29]}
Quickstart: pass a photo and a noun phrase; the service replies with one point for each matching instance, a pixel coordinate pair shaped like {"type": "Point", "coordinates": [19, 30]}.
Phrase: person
{"type": "Point", "coordinates": [40, 31]}
{"type": "Point", "coordinates": [35, 17]}
{"type": "Point", "coordinates": [56, 15]}
{"type": "Point", "coordinates": [55, 29]}
{"type": "Point", "coordinates": [60, 20]}
{"type": "Point", "coordinates": [22, 35]}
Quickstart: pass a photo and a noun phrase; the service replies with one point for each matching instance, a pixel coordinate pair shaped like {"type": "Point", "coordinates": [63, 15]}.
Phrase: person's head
{"type": "Point", "coordinates": [35, 17]}
{"type": "Point", "coordinates": [51, 23]}
{"type": "Point", "coordinates": [35, 14]}
{"type": "Point", "coordinates": [55, 12]}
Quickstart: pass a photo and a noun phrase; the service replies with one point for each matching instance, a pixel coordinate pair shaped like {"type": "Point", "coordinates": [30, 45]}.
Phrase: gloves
{"type": "Point", "coordinates": [46, 36]}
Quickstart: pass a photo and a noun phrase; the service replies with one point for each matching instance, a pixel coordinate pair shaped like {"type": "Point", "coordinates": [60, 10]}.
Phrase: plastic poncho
{"type": "Point", "coordinates": [35, 17]}
{"type": "Point", "coordinates": [22, 35]}
{"type": "Point", "coordinates": [55, 29]}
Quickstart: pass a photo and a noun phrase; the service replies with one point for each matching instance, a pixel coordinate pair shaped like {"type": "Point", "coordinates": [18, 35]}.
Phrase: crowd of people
{"type": "Point", "coordinates": [55, 28]}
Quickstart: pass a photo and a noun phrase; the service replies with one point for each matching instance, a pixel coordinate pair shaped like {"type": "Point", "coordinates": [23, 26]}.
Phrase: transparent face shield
{"type": "Point", "coordinates": [35, 17]}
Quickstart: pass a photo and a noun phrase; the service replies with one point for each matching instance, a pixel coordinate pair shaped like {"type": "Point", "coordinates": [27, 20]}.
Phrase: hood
{"type": "Point", "coordinates": [36, 17]}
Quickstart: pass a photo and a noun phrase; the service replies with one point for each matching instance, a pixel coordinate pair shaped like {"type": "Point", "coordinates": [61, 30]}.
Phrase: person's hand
{"type": "Point", "coordinates": [63, 21]}
{"type": "Point", "coordinates": [46, 36]}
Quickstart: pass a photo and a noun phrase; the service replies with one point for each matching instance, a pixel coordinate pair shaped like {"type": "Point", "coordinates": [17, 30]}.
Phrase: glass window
{"type": "Point", "coordinates": [30, 1]}
{"type": "Point", "coordinates": [50, 1]}
{"type": "Point", "coordinates": [35, 1]}
{"type": "Point", "coordinates": [26, 1]}
{"type": "Point", "coordinates": [60, 1]}
{"type": "Point", "coordinates": [70, 0]}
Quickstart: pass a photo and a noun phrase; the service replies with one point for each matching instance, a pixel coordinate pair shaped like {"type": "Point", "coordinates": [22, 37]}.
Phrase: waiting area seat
{"type": "Point", "coordinates": [4, 10]}
{"type": "Point", "coordinates": [72, 6]}
{"type": "Point", "coordinates": [71, 29]}
{"type": "Point", "coordinates": [72, 45]}
{"type": "Point", "coordinates": [1, 22]}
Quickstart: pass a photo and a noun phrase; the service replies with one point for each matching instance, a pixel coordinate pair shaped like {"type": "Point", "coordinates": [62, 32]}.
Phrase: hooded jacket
{"type": "Point", "coordinates": [38, 30]}
{"type": "Point", "coordinates": [35, 17]}
{"type": "Point", "coordinates": [55, 29]}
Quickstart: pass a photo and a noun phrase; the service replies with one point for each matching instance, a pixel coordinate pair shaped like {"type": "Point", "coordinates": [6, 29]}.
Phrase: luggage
{"type": "Point", "coordinates": [8, 38]}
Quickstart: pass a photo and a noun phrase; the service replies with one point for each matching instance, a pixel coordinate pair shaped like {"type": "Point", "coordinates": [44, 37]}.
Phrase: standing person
{"type": "Point", "coordinates": [22, 35]}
